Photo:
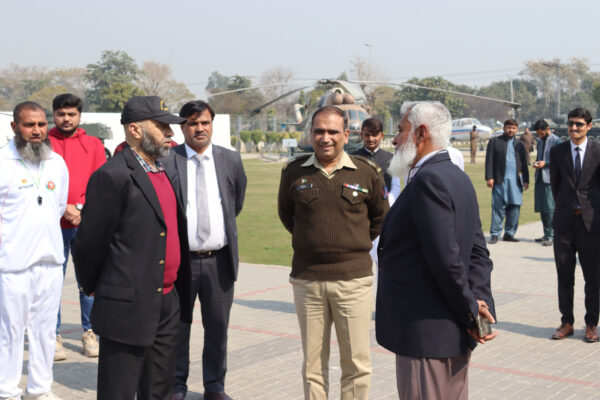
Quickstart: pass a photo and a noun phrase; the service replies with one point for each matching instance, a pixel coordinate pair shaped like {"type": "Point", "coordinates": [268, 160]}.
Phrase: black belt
{"type": "Point", "coordinates": [205, 253]}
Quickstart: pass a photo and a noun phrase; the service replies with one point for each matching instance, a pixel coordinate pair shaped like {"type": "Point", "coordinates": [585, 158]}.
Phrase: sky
{"type": "Point", "coordinates": [467, 42]}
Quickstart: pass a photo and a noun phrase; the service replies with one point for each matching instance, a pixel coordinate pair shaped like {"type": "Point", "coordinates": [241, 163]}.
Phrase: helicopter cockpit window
{"type": "Point", "coordinates": [352, 115]}
{"type": "Point", "coordinates": [361, 116]}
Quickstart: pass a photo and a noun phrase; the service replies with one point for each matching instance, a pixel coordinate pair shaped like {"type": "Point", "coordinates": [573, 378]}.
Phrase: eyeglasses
{"type": "Point", "coordinates": [577, 124]}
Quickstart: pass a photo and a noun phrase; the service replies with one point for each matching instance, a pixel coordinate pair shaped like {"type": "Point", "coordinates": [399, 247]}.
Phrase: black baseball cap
{"type": "Point", "coordinates": [139, 108]}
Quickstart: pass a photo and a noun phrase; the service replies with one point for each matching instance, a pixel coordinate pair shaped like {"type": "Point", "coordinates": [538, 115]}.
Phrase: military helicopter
{"type": "Point", "coordinates": [347, 96]}
{"type": "Point", "coordinates": [350, 98]}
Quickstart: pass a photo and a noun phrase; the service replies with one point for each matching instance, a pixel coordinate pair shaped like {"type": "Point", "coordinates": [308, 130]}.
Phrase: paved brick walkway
{"type": "Point", "coordinates": [265, 351]}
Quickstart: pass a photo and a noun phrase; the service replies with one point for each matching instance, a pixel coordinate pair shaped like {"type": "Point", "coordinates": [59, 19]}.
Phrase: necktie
{"type": "Point", "coordinates": [577, 164]}
{"type": "Point", "coordinates": [202, 200]}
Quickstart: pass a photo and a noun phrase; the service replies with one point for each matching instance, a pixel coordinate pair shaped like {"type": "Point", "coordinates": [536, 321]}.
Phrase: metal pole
{"type": "Point", "coordinates": [512, 96]}
{"type": "Point", "coordinates": [558, 88]}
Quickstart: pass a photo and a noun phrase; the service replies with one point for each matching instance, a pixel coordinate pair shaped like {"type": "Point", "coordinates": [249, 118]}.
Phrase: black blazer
{"type": "Point", "coordinates": [382, 158]}
{"type": "Point", "coordinates": [567, 191]}
{"type": "Point", "coordinates": [495, 160]}
{"type": "Point", "coordinates": [119, 252]}
{"type": "Point", "coordinates": [232, 187]}
{"type": "Point", "coordinates": [433, 265]}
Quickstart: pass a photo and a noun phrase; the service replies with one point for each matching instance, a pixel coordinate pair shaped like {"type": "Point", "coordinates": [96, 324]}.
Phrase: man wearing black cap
{"type": "Point", "coordinates": [131, 253]}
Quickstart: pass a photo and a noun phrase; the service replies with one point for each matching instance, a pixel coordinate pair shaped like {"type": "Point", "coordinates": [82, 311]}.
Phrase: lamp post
{"type": "Point", "coordinates": [555, 64]}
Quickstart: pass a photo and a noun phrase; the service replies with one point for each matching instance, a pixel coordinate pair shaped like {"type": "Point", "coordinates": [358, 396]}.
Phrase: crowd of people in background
{"type": "Point", "coordinates": [153, 229]}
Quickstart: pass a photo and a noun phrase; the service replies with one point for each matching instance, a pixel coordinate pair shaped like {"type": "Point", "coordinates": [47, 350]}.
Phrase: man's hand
{"type": "Point", "coordinates": [490, 183]}
{"type": "Point", "coordinates": [539, 164]}
{"type": "Point", "coordinates": [484, 312]}
{"type": "Point", "coordinates": [72, 214]}
{"type": "Point", "coordinates": [525, 186]}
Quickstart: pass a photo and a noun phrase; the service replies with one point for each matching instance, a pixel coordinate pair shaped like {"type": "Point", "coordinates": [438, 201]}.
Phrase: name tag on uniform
{"type": "Point", "coordinates": [305, 186]}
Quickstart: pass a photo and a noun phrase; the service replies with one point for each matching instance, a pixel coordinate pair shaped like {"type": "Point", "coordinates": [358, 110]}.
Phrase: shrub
{"type": "Point", "coordinates": [246, 136]}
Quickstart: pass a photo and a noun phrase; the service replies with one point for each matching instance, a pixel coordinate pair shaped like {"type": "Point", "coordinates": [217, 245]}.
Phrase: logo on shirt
{"type": "Point", "coordinates": [24, 181]}
{"type": "Point", "coordinates": [50, 186]}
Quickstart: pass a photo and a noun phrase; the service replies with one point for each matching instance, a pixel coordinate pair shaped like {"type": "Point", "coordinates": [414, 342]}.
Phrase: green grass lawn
{"type": "Point", "coordinates": [263, 240]}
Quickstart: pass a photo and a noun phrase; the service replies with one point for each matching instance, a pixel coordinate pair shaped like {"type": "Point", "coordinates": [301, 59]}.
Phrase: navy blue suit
{"type": "Point", "coordinates": [433, 265]}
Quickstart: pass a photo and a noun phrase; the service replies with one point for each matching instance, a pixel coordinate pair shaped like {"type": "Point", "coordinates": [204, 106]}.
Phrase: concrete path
{"type": "Point", "coordinates": [265, 352]}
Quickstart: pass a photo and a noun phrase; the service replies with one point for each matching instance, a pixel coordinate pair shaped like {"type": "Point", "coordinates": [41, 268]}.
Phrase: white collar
{"type": "Point", "coordinates": [582, 146]}
{"type": "Point", "coordinates": [205, 155]}
{"type": "Point", "coordinates": [427, 157]}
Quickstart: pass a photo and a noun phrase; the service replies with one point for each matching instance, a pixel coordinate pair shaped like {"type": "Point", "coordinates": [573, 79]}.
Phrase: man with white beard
{"type": "Point", "coordinates": [434, 267]}
{"type": "Point", "coordinates": [34, 183]}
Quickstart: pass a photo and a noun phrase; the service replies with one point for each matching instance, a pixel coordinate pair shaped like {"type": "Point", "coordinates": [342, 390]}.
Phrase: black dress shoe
{"type": "Point", "coordinates": [216, 396]}
{"type": "Point", "coordinates": [541, 239]}
{"type": "Point", "coordinates": [493, 240]}
{"type": "Point", "coordinates": [509, 238]}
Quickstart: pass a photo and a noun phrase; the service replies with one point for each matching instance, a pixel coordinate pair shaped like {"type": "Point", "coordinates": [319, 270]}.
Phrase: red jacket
{"type": "Point", "coordinates": [83, 155]}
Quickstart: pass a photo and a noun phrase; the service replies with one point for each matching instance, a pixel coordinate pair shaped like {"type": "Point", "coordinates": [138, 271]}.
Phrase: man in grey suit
{"type": "Point", "coordinates": [544, 201]}
{"type": "Point", "coordinates": [211, 182]}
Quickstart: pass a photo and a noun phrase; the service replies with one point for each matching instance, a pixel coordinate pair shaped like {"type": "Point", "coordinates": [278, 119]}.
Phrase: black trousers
{"type": "Point", "coordinates": [587, 247]}
{"type": "Point", "coordinates": [124, 370]}
{"type": "Point", "coordinates": [212, 282]}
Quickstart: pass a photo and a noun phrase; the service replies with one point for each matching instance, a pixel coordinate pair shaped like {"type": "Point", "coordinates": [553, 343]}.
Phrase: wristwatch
{"type": "Point", "coordinates": [79, 206]}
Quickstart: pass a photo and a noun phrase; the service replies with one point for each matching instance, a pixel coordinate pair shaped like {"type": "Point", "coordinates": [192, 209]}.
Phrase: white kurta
{"type": "Point", "coordinates": [32, 201]}
{"type": "Point", "coordinates": [29, 232]}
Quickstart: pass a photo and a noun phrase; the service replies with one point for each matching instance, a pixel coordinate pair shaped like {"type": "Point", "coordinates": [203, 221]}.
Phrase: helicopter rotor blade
{"type": "Point", "coordinates": [412, 85]}
{"type": "Point", "coordinates": [259, 108]}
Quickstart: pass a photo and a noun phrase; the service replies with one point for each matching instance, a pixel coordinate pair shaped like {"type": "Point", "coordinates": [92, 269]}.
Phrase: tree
{"type": "Point", "coordinates": [571, 83]}
{"type": "Point", "coordinates": [17, 83]}
{"type": "Point", "coordinates": [217, 83]}
{"type": "Point", "coordinates": [365, 71]}
{"type": "Point", "coordinates": [455, 104]}
{"type": "Point", "coordinates": [524, 92]}
{"type": "Point", "coordinates": [114, 75]}
{"type": "Point", "coordinates": [45, 95]}
{"type": "Point", "coordinates": [239, 102]}
{"type": "Point", "coordinates": [282, 77]}
{"type": "Point", "coordinates": [114, 96]}
{"type": "Point", "coordinates": [155, 79]}
{"type": "Point", "coordinates": [73, 80]}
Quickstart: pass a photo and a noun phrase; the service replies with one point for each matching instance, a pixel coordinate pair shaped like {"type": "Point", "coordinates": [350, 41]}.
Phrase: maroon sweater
{"type": "Point", "coordinates": [168, 204]}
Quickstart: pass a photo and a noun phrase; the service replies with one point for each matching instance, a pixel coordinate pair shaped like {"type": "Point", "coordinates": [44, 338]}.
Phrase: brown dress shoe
{"type": "Point", "coordinates": [591, 334]}
{"type": "Point", "coordinates": [564, 330]}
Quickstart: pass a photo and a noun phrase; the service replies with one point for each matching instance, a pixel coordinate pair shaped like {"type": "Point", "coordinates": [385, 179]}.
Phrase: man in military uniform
{"type": "Point", "coordinates": [333, 205]}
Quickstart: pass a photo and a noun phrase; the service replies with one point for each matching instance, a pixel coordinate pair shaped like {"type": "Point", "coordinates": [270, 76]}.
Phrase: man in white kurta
{"type": "Point", "coordinates": [33, 195]}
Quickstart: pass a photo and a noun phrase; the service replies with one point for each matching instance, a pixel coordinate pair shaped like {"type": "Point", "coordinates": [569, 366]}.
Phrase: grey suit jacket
{"type": "Point", "coordinates": [232, 187]}
{"type": "Point", "coordinates": [544, 173]}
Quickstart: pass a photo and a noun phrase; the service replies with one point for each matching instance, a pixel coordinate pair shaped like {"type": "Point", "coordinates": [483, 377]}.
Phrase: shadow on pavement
{"type": "Point", "coordinates": [80, 376]}
{"type": "Point", "coordinates": [271, 305]}
{"type": "Point", "coordinates": [528, 330]}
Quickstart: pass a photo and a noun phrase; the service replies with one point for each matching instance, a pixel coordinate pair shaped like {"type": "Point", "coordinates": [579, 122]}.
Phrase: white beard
{"type": "Point", "coordinates": [403, 158]}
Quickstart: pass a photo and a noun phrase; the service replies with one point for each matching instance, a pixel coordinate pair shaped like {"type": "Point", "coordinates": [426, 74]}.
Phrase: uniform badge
{"type": "Point", "coordinates": [50, 186]}
{"type": "Point", "coordinates": [356, 187]}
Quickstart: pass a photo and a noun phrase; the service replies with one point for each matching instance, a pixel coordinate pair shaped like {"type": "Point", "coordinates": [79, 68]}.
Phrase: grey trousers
{"type": "Point", "coordinates": [433, 378]}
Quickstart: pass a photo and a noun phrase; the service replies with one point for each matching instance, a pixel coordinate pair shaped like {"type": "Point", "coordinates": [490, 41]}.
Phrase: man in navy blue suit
{"type": "Point", "coordinates": [434, 267]}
